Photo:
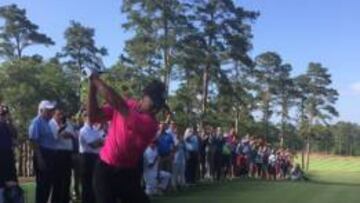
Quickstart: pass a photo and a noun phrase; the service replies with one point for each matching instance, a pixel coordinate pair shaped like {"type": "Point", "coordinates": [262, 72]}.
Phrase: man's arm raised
{"type": "Point", "coordinates": [111, 97]}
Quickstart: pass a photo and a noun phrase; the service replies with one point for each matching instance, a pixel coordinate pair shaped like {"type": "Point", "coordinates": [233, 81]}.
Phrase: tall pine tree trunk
{"type": "Point", "coordinates": [205, 90]}
{"type": "Point", "coordinates": [18, 47]}
{"type": "Point", "coordinates": [26, 171]}
{"type": "Point", "coordinates": [308, 139]}
{"type": "Point", "coordinates": [189, 105]}
{"type": "Point", "coordinates": [206, 74]}
{"type": "Point", "coordinates": [20, 160]}
{"type": "Point", "coordinates": [303, 159]}
{"type": "Point", "coordinates": [28, 159]}
{"type": "Point", "coordinates": [166, 54]}
{"type": "Point", "coordinates": [237, 118]}
{"type": "Point", "coordinates": [284, 117]}
{"type": "Point", "coordinates": [302, 130]}
{"type": "Point", "coordinates": [266, 112]}
{"type": "Point", "coordinates": [282, 134]}
{"type": "Point", "coordinates": [31, 155]}
{"type": "Point", "coordinates": [307, 153]}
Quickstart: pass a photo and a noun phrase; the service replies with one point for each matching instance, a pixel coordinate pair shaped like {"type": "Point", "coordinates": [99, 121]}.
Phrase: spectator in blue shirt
{"type": "Point", "coordinates": [166, 146]}
{"type": "Point", "coordinates": [192, 144]}
{"type": "Point", "coordinates": [45, 145]}
{"type": "Point", "coordinates": [165, 142]}
{"type": "Point", "coordinates": [172, 130]}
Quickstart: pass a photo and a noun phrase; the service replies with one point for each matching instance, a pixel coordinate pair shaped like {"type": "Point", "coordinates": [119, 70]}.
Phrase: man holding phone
{"type": "Point", "coordinates": [63, 132]}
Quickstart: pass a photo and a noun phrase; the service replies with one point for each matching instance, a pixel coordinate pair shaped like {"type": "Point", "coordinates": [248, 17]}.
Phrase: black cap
{"type": "Point", "coordinates": [157, 92]}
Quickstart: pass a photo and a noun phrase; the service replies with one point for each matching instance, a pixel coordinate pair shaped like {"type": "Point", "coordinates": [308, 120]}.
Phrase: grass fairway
{"type": "Point", "coordinates": [267, 192]}
{"type": "Point", "coordinates": [334, 180]}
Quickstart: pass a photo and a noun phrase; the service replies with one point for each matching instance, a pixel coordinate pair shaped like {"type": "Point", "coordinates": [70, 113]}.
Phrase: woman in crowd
{"type": "Point", "coordinates": [192, 144]}
{"type": "Point", "coordinates": [179, 163]}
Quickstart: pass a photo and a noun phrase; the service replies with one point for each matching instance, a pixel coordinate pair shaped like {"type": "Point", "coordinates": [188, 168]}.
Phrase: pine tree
{"type": "Point", "coordinates": [18, 33]}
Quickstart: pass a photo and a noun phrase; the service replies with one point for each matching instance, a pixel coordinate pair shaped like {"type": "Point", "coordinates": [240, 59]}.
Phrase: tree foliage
{"type": "Point", "coordinates": [27, 81]}
{"type": "Point", "coordinates": [200, 48]}
{"type": "Point", "coordinates": [80, 51]}
{"type": "Point", "coordinates": [18, 33]}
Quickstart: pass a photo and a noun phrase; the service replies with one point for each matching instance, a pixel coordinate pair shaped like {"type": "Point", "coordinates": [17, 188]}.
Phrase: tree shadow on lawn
{"type": "Point", "coordinates": [314, 180]}
{"type": "Point", "coordinates": [225, 188]}
{"type": "Point", "coordinates": [219, 189]}
{"type": "Point", "coordinates": [319, 182]}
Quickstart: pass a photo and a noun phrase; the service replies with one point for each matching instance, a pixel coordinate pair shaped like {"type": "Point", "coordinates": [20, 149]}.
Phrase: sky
{"type": "Point", "coordinates": [301, 31]}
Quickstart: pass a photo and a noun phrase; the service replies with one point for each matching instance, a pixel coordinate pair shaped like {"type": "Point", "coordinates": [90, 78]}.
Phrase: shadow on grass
{"type": "Point", "coordinates": [204, 186]}
{"type": "Point", "coordinates": [314, 180]}
{"type": "Point", "coordinates": [238, 184]}
{"type": "Point", "coordinates": [320, 182]}
{"type": "Point", "coordinates": [247, 185]}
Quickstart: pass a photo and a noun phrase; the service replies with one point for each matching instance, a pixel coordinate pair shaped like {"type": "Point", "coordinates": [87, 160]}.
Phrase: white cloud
{"type": "Point", "coordinates": [355, 88]}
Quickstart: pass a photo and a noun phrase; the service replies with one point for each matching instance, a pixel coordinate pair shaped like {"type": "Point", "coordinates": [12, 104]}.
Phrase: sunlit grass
{"type": "Point", "coordinates": [333, 179]}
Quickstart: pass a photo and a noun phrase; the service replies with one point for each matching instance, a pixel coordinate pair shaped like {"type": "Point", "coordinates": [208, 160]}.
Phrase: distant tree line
{"type": "Point", "coordinates": [203, 47]}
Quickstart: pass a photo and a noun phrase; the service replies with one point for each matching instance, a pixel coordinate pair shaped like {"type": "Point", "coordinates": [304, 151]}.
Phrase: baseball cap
{"type": "Point", "coordinates": [46, 104]}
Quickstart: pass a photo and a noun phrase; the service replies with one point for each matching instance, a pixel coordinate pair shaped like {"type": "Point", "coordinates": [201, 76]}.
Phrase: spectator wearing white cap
{"type": "Point", "coordinates": [45, 146]}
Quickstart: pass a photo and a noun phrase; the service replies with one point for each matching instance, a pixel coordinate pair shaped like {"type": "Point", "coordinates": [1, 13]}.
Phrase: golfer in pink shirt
{"type": "Point", "coordinates": [133, 127]}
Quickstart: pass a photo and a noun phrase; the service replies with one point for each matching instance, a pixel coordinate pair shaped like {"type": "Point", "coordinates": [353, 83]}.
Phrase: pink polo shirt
{"type": "Point", "coordinates": [128, 136]}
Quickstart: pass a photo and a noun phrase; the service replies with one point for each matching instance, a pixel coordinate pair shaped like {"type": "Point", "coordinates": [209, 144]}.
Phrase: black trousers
{"type": "Point", "coordinates": [7, 166]}
{"type": "Point", "coordinates": [203, 165]}
{"type": "Point", "coordinates": [112, 184]}
{"type": "Point", "coordinates": [76, 169]}
{"type": "Point", "coordinates": [45, 177]}
{"type": "Point", "coordinates": [192, 166]}
{"type": "Point", "coordinates": [61, 191]}
{"type": "Point", "coordinates": [218, 163]}
{"type": "Point", "coordinates": [88, 161]}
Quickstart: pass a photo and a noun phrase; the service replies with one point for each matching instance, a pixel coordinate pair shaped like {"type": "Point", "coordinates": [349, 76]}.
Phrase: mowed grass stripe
{"type": "Point", "coordinates": [333, 180]}
{"type": "Point", "coordinates": [264, 192]}
{"type": "Point", "coordinates": [333, 163]}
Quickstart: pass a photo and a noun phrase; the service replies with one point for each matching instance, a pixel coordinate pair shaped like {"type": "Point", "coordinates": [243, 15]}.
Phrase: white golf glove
{"type": "Point", "coordinates": [87, 73]}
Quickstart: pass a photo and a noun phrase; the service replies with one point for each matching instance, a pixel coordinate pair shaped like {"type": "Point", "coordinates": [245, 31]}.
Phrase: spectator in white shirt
{"type": "Point", "coordinates": [179, 163]}
{"type": "Point", "coordinates": [91, 139]}
{"type": "Point", "coordinates": [156, 180]}
{"type": "Point", "coordinates": [63, 132]}
{"type": "Point", "coordinates": [272, 165]}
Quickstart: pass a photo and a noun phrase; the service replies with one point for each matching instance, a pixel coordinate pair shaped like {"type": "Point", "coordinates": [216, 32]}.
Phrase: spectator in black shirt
{"type": "Point", "coordinates": [8, 176]}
